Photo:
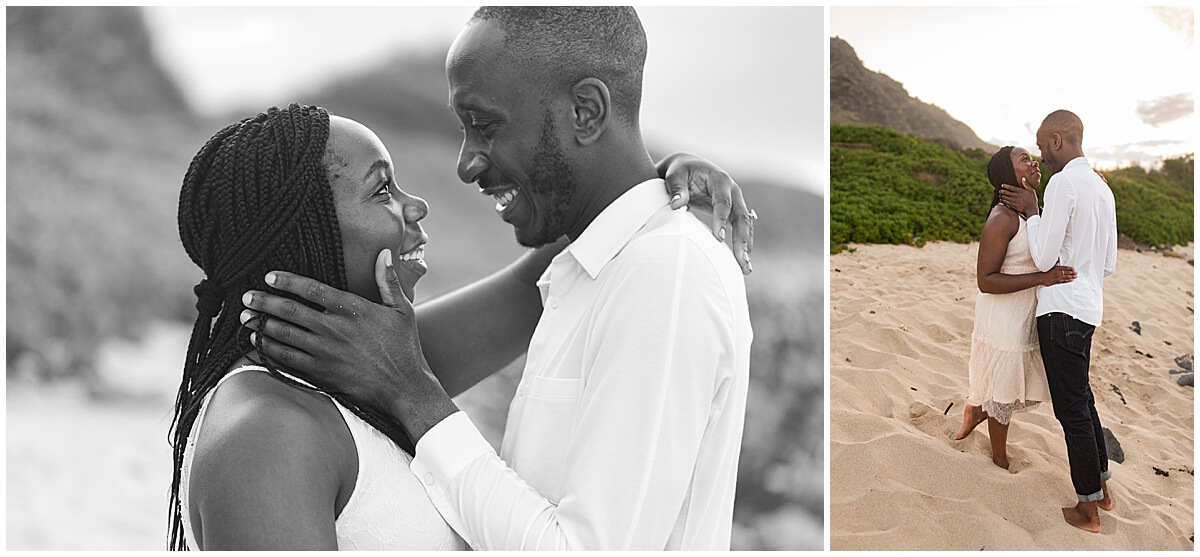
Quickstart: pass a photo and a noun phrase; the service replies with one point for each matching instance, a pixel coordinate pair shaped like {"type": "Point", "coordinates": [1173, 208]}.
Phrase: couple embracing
{"type": "Point", "coordinates": [313, 414]}
{"type": "Point", "coordinates": [1040, 274]}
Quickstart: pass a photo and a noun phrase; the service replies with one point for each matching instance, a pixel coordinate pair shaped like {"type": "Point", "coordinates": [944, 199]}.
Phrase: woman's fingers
{"type": "Point", "coordinates": [743, 232]}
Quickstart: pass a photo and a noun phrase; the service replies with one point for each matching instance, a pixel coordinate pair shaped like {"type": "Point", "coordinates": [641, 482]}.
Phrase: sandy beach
{"type": "Point", "coordinates": [900, 328]}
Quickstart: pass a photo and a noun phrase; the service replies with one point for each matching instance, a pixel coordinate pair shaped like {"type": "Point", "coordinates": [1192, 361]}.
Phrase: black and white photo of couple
{"type": "Point", "coordinates": [604, 300]}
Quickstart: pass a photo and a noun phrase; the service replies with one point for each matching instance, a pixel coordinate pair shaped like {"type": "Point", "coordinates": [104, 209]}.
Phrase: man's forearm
{"type": "Point", "coordinates": [475, 331]}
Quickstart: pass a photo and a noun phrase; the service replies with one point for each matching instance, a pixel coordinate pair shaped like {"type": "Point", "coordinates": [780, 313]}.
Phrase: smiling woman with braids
{"type": "Point", "coordinates": [263, 460]}
{"type": "Point", "coordinates": [1005, 371]}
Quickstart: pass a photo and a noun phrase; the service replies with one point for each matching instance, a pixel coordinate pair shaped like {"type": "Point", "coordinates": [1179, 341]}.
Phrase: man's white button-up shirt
{"type": "Point", "coordinates": [627, 424]}
{"type": "Point", "coordinates": [1078, 227]}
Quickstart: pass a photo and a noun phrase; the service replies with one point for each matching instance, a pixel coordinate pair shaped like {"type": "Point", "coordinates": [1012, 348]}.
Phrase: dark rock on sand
{"type": "Point", "coordinates": [1118, 391]}
{"type": "Point", "coordinates": [1137, 327]}
{"type": "Point", "coordinates": [1188, 380]}
{"type": "Point", "coordinates": [1113, 447]}
{"type": "Point", "coordinates": [1184, 361]}
{"type": "Point", "coordinates": [1161, 472]}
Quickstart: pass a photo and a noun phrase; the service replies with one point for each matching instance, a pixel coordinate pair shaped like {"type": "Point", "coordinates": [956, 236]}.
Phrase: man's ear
{"type": "Point", "coordinates": [1056, 141]}
{"type": "Point", "coordinates": [591, 103]}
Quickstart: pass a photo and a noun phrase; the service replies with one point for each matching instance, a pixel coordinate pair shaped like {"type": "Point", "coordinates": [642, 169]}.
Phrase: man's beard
{"type": "Point", "coordinates": [552, 180]}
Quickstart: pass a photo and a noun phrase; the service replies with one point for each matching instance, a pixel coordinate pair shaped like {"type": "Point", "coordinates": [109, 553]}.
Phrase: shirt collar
{"type": "Point", "coordinates": [616, 225]}
{"type": "Point", "coordinates": [1076, 162]}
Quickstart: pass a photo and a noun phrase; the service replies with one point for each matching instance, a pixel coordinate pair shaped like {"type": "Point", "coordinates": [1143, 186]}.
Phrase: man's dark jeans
{"type": "Point", "coordinates": [1066, 345]}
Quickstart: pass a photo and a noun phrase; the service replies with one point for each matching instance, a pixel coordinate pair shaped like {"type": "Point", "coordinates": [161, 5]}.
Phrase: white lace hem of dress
{"type": "Point", "coordinates": [1003, 411]}
{"type": "Point", "coordinates": [988, 355]}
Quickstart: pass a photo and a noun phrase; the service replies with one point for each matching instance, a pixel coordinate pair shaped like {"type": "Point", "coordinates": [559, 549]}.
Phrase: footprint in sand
{"type": "Point", "coordinates": [1016, 459]}
{"type": "Point", "coordinates": [928, 419]}
{"type": "Point", "coordinates": [931, 421]}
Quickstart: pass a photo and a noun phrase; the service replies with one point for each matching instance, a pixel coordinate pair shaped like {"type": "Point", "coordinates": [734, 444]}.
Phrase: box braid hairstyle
{"type": "Point", "coordinates": [255, 198]}
{"type": "Point", "coordinates": [1000, 171]}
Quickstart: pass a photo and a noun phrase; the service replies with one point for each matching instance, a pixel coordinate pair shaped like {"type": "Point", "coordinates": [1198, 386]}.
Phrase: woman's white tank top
{"type": "Point", "coordinates": [388, 510]}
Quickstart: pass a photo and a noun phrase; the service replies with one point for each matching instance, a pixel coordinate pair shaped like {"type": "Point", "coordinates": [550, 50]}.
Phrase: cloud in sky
{"type": "Point", "coordinates": [1143, 153]}
{"type": "Point", "coordinates": [1158, 142]}
{"type": "Point", "coordinates": [1166, 109]}
{"type": "Point", "coordinates": [1179, 18]}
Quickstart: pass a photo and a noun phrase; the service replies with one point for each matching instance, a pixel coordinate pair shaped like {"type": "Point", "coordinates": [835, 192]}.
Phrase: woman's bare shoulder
{"type": "Point", "coordinates": [1003, 221]}
{"type": "Point", "coordinates": [256, 424]}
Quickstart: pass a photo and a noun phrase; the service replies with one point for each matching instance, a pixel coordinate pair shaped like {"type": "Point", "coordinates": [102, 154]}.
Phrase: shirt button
{"type": "Point", "coordinates": [428, 479]}
{"type": "Point", "coordinates": [553, 302]}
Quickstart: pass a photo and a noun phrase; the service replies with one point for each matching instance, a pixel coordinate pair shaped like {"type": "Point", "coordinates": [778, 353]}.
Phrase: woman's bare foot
{"type": "Point", "coordinates": [1105, 503]}
{"type": "Point", "coordinates": [1001, 461]}
{"type": "Point", "coordinates": [972, 416]}
{"type": "Point", "coordinates": [1084, 516]}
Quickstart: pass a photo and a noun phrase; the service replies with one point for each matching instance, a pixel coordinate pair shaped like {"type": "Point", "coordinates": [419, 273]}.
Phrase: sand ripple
{"type": "Point", "coordinates": [900, 326]}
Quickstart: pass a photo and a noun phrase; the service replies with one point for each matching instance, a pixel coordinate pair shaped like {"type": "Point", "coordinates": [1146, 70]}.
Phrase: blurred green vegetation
{"type": "Point", "coordinates": [780, 489]}
{"type": "Point", "coordinates": [98, 139]}
{"type": "Point", "coordinates": [887, 187]}
{"type": "Point", "coordinates": [1155, 207]}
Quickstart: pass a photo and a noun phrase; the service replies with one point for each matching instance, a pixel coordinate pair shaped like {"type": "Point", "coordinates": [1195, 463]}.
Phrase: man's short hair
{"type": "Point", "coordinates": [566, 44]}
{"type": "Point", "coordinates": [1066, 124]}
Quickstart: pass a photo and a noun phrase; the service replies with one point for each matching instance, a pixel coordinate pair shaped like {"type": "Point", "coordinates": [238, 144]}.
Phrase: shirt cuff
{"type": "Point", "coordinates": [445, 450]}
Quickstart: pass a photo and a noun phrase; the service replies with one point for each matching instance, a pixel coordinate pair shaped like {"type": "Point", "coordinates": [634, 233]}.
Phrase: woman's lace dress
{"type": "Point", "coordinates": [1006, 371]}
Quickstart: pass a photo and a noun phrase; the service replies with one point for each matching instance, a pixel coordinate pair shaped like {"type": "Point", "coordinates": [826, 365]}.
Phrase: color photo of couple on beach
{"type": "Point", "coordinates": [1088, 435]}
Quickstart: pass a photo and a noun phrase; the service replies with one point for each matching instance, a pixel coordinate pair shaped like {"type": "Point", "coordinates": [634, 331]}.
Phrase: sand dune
{"type": "Point", "coordinates": [900, 325]}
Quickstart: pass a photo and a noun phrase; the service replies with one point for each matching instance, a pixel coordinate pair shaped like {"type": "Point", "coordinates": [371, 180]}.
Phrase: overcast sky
{"type": "Point", "coordinates": [1128, 72]}
{"type": "Point", "coordinates": [742, 86]}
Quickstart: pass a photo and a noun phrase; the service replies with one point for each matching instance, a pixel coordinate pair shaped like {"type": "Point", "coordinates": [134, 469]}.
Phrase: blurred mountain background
{"type": "Point", "coordinates": [99, 300]}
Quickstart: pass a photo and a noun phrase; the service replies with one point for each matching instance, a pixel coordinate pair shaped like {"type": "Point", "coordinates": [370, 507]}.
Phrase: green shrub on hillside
{"type": "Point", "coordinates": [892, 188]}
{"type": "Point", "coordinates": [1155, 207]}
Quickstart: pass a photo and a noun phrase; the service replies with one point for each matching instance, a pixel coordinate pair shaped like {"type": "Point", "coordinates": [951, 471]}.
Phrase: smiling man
{"type": "Point", "coordinates": [626, 427]}
{"type": "Point", "coordinates": [1079, 228]}
{"type": "Point", "coordinates": [627, 423]}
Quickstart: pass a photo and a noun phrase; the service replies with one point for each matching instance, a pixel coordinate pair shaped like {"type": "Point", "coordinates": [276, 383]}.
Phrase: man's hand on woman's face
{"type": "Point", "coordinates": [1020, 199]}
{"type": "Point", "coordinates": [697, 183]}
{"type": "Point", "coordinates": [369, 351]}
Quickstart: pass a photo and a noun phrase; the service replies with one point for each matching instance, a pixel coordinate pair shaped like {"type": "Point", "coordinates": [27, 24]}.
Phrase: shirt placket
{"type": "Point", "coordinates": [559, 278]}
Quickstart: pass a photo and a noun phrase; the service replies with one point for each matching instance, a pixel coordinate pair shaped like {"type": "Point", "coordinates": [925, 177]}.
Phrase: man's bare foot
{"type": "Point", "coordinates": [1084, 516]}
{"type": "Point", "coordinates": [972, 416]}
{"type": "Point", "coordinates": [1105, 503]}
{"type": "Point", "coordinates": [1001, 461]}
